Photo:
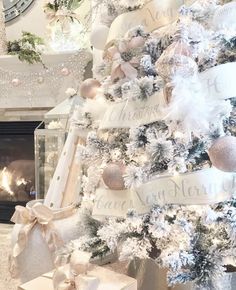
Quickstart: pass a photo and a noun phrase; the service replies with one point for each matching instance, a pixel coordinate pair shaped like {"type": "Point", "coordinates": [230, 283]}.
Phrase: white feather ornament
{"type": "Point", "coordinates": [188, 106]}
{"type": "Point", "coordinates": [96, 108]}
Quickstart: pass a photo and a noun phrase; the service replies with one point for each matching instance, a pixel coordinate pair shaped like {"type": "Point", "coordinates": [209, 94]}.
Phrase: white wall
{"type": "Point", "coordinates": [33, 20]}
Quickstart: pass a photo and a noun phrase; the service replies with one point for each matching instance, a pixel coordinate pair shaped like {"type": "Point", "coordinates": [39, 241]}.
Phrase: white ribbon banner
{"type": "Point", "coordinates": [219, 81]}
{"type": "Point", "coordinates": [132, 113]}
{"type": "Point", "coordinates": [198, 188]}
{"type": "Point", "coordinates": [153, 15]}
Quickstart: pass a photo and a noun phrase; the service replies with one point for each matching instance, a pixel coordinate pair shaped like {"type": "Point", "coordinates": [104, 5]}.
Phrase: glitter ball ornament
{"type": "Point", "coordinates": [113, 176]}
{"type": "Point", "coordinates": [65, 71]}
{"type": "Point", "coordinates": [89, 88]}
{"type": "Point", "coordinates": [223, 153]}
{"type": "Point", "coordinates": [176, 60]}
{"type": "Point", "coordinates": [15, 82]}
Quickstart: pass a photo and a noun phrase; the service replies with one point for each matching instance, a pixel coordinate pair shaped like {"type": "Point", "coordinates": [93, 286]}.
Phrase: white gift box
{"type": "Point", "coordinates": [108, 280]}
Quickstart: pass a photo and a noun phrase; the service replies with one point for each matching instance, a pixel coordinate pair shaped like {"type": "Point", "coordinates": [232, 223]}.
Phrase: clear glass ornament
{"type": "Point", "coordinates": [67, 36]}
{"type": "Point", "coordinates": [177, 59]}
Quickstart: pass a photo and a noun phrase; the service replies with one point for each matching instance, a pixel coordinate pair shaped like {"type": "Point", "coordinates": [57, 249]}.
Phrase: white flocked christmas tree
{"type": "Point", "coordinates": [160, 156]}
{"type": "Point", "coordinates": [157, 143]}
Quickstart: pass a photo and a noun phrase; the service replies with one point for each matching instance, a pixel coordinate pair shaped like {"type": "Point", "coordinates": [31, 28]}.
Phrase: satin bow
{"type": "Point", "coordinates": [73, 276]}
{"type": "Point", "coordinates": [40, 215]}
{"type": "Point", "coordinates": [64, 16]}
{"type": "Point", "coordinates": [124, 68]}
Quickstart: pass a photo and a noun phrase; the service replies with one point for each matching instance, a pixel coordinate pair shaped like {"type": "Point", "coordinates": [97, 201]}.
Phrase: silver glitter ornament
{"type": "Point", "coordinates": [223, 153]}
{"type": "Point", "coordinates": [113, 176]}
{"type": "Point", "coordinates": [176, 60]}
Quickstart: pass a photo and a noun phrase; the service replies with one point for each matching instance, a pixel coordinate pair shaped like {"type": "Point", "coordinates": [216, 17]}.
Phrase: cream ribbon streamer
{"type": "Point", "coordinates": [153, 15]}
{"type": "Point", "coordinates": [75, 276]}
{"type": "Point", "coordinates": [40, 215]}
{"type": "Point", "coordinates": [202, 187]}
{"type": "Point", "coordinates": [133, 113]}
{"type": "Point", "coordinates": [218, 82]}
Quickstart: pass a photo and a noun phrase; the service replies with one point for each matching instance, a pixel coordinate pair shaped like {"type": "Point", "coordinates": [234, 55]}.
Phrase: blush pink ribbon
{"type": "Point", "coordinates": [121, 68]}
{"type": "Point", "coordinates": [39, 215]}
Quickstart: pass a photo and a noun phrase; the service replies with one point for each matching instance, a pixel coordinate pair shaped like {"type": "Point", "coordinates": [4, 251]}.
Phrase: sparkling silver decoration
{"type": "Point", "coordinates": [34, 81]}
{"type": "Point", "coordinates": [3, 38]}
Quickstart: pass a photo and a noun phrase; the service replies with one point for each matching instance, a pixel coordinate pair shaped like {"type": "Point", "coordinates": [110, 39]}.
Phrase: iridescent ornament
{"type": "Point", "coordinates": [89, 88]}
{"type": "Point", "coordinates": [223, 153]}
{"type": "Point", "coordinates": [15, 82]}
{"type": "Point", "coordinates": [176, 60]}
{"type": "Point", "coordinates": [113, 176]}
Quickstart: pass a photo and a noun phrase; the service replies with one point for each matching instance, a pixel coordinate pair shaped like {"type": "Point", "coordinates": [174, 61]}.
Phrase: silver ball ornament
{"type": "Point", "coordinates": [89, 88]}
{"type": "Point", "coordinates": [113, 176]}
{"type": "Point", "coordinates": [223, 154]}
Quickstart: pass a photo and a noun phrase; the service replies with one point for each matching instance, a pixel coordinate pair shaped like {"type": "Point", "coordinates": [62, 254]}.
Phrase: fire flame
{"type": "Point", "coordinates": [5, 181]}
{"type": "Point", "coordinates": [21, 181]}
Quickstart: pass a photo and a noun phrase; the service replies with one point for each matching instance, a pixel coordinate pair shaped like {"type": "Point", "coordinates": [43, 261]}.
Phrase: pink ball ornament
{"type": "Point", "coordinates": [113, 176]}
{"type": "Point", "coordinates": [15, 82]}
{"type": "Point", "coordinates": [223, 154]}
{"type": "Point", "coordinates": [65, 71]}
{"type": "Point", "coordinates": [89, 88]}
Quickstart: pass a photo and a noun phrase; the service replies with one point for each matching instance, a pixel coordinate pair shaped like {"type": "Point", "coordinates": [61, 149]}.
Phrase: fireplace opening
{"type": "Point", "coordinates": [17, 166]}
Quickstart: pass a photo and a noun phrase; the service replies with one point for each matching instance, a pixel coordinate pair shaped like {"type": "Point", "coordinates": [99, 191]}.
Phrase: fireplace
{"type": "Point", "coordinates": [17, 166]}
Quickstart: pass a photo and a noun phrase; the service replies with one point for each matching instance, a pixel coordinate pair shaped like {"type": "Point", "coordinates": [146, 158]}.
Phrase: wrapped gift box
{"type": "Point", "coordinates": [108, 280]}
{"type": "Point", "coordinates": [41, 283]}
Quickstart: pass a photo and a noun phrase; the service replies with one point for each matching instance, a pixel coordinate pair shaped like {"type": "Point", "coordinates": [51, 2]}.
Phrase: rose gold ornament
{"type": "Point", "coordinates": [89, 88]}
{"type": "Point", "coordinates": [113, 176]}
{"type": "Point", "coordinates": [176, 60]}
{"type": "Point", "coordinates": [15, 82]}
{"type": "Point", "coordinates": [223, 153]}
{"type": "Point", "coordinates": [65, 71]}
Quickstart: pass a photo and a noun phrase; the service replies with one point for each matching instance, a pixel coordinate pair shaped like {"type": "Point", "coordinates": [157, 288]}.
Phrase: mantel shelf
{"type": "Point", "coordinates": [32, 86]}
